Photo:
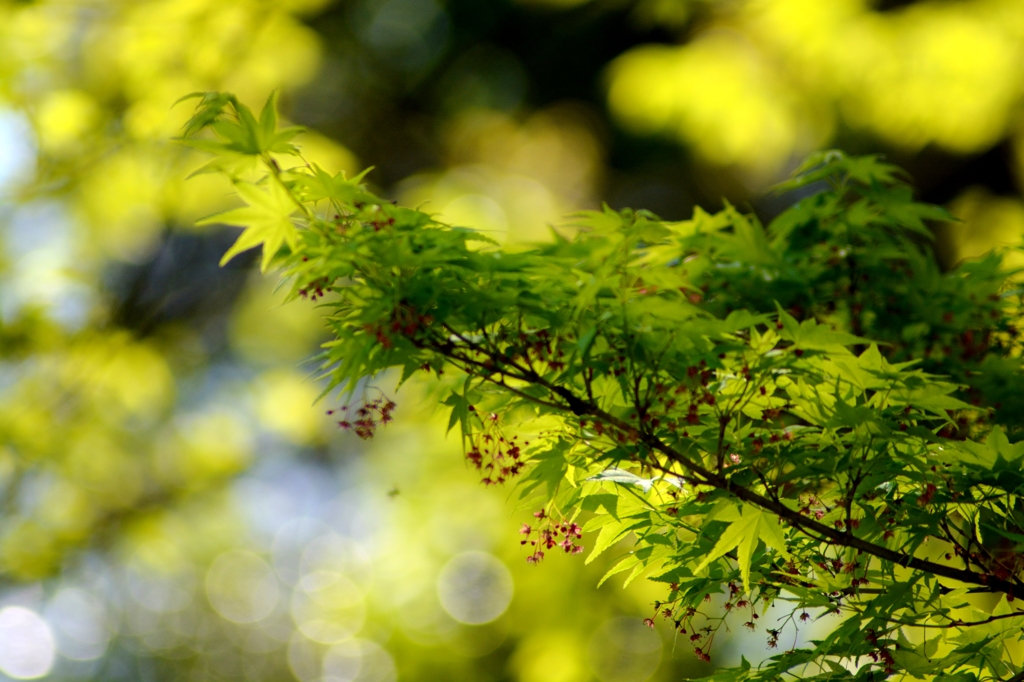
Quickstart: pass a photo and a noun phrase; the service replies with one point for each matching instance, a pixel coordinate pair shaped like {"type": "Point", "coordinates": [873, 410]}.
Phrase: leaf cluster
{"type": "Point", "coordinates": [809, 416]}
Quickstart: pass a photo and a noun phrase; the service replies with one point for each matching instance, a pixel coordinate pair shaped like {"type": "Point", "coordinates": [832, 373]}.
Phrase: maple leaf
{"type": "Point", "coordinates": [266, 219]}
{"type": "Point", "coordinates": [743, 535]}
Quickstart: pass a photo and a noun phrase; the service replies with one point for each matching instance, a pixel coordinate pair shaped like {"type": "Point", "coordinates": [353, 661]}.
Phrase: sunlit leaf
{"type": "Point", "coordinates": [266, 220]}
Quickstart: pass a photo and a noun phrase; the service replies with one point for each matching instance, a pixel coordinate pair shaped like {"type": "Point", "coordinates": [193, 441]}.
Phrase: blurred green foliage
{"type": "Point", "coordinates": [152, 406]}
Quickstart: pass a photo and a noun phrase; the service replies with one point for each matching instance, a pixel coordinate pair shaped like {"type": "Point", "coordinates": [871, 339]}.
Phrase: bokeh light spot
{"type": "Point", "coordinates": [156, 591]}
{"type": "Point", "coordinates": [358, 660]}
{"type": "Point", "coordinates": [303, 658]}
{"type": "Point", "coordinates": [64, 116]}
{"type": "Point", "coordinates": [290, 544]}
{"type": "Point", "coordinates": [17, 149]}
{"type": "Point", "coordinates": [330, 554]}
{"type": "Point", "coordinates": [241, 587]}
{"type": "Point", "coordinates": [717, 94]}
{"type": "Point", "coordinates": [80, 624]}
{"type": "Point", "coordinates": [475, 588]}
{"type": "Point", "coordinates": [328, 608]}
{"type": "Point", "coordinates": [27, 647]}
{"type": "Point", "coordinates": [285, 405]}
{"type": "Point", "coordinates": [988, 222]}
{"type": "Point", "coordinates": [480, 211]}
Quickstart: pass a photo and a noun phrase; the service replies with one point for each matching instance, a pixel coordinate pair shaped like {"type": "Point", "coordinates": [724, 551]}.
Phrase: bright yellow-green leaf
{"type": "Point", "coordinates": [266, 219]}
{"type": "Point", "coordinates": [608, 536]}
{"type": "Point", "coordinates": [770, 531]}
{"type": "Point", "coordinates": [743, 535]}
{"type": "Point", "coordinates": [629, 561]}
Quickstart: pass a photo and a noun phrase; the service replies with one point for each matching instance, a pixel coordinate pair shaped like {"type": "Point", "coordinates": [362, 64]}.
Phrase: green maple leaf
{"type": "Point", "coordinates": [266, 219]}
{"type": "Point", "coordinates": [743, 535]}
{"type": "Point", "coordinates": [870, 169]}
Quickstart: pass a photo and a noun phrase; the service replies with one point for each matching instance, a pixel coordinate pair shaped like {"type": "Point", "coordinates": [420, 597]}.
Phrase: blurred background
{"type": "Point", "coordinates": [173, 506]}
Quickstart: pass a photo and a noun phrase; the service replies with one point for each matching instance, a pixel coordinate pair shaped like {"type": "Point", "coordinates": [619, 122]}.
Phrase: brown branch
{"type": "Point", "coordinates": [962, 623]}
{"type": "Point", "coordinates": [992, 583]}
{"type": "Point", "coordinates": [581, 407]}
{"type": "Point", "coordinates": [488, 373]}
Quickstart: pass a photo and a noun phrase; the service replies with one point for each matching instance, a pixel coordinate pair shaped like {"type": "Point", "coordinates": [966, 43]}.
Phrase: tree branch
{"type": "Point", "coordinates": [582, 407]}
{"type": "Point", "coordinates": [991, 583]}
